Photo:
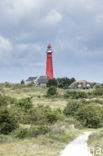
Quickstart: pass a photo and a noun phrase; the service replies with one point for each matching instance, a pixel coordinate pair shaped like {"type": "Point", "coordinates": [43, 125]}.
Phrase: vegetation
{"type": "Point", "coordinates": [90, 116]}
{"type": "Point", "coordinates": [96, 143]}
{"type": "Point", "coordinates": [7, 121]}
{"type": "Point", "coordinates": [72, 108]}
{"type": "Point", "coordinates": [40, 119]}
{"type": "Point", "coordinates": [75, 94]}
{"type": "Point", "coordinates": [65, 82]}
{"type": "Point", "coordinates": [22, 82]}
{"type": "Point", "coordinates": [52, 91]}
{"type": "Point", "coordinates": [52, 82]}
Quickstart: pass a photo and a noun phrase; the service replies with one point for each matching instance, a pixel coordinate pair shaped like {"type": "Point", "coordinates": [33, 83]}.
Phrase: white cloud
{"type": "Point", "coordinates": [32, 47]}
{"type": "Point", "coordinates": [5, 49]}
{"type": "Point", "coordinates": [53, 18]}
{"type": "Point", "coordinates": [21, 47]}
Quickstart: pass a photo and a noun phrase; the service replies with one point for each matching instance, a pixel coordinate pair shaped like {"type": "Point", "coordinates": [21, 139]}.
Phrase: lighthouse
{"type": "Point", "coordinates": [49, 65]}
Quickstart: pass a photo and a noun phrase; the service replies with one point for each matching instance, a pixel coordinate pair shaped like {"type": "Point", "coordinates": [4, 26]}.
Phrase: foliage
{"type": "Point", "coordinates": [98, 92]}
{"type": "Point", "coordinates": [22, 82]}
{"type": "Point", "coordinates": [98, 85]}
{"type": "Point", "coordinates": [75, 94]}
{"type": "Point", "coordinates": [25, 103]}
{"type": "Point", "coordinates": [52, 82]}
{"type": "Point", "coordinates": [32, 132]}
{"type": "Point", "coordinates": [45, 115]}
{"type": "Point", "coordinates": [72, 107]}
{"type": "Point", "coordinates": [52, 91]}
{"type": "Point", "coordinates": [7, 121]}
{"type": "Point", "coordinates": [90, 116]}
{"type": "Point", "coordinates": [65, 82]}
{"type": "Point", "coordinates": [5, 100]}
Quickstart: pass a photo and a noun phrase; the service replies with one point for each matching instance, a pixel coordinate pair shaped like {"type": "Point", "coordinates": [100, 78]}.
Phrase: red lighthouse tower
{"type": "Point", "coordinates": [49, 66]}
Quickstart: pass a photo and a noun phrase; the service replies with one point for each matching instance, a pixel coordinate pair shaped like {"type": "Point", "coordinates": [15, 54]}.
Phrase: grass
{"type": "Point", "coordinates": [61, 133]}
{"type": "Point", "coordinates": [37, 94]}
{"type": "Point", "coordinates": [96, 142]}
{"type": "Point", "coordinates": [45, 145]}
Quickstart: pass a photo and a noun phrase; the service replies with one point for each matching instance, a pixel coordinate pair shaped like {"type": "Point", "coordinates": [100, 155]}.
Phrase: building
{"type": "Point", "coordinates": [38, 81]}
{"type": "Point", "coordinates": [82, 84]}
{"type": "Point", "coordinates": [42, 81]}
{"type": "Point", "coordinates": [31, 80]}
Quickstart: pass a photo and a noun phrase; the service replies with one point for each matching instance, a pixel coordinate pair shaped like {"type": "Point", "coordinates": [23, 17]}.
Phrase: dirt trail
{"type": "Point", "coordinates": [78, 147]}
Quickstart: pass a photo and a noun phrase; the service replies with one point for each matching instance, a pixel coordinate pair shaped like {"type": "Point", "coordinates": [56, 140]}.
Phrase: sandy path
{"type": "Point", "coordinates": [78, 147]}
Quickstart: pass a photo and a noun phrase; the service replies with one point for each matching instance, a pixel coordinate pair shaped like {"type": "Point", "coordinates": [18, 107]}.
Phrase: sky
{"type": "Point", "coordinates": [74, 28]}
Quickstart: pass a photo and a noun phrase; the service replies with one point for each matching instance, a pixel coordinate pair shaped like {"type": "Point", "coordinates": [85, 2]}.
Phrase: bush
{"type": "Point", "coordinates": [7, 122]}
{"type": "Point", "coordinates": [90, 116]}
{"type": "Point", "coordinates": [45, 115]}
{"type": "Point", "coordinates": [32, 132]}
{"type": "Point", "coordinates": [20, 114]}
{"type": "Point", "coordinates": [5, 100]}
{"type": "Point", "coordinates": [52, 82]}
{"type": "Point", "coordinates": [25, 103]}
{"type": "Point", "coordinates": [51, 117]}
{"type": "Point", "coordinates": [75, 94]}
{"type": "Point", "coordinates": [72, 107]}
{"type": "Point", "coordinates": [98, 92]}
{"type": "Point", "coordinates": [52, 91]}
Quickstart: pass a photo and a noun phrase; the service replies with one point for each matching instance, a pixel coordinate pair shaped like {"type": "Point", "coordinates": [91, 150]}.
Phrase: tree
{"type": "Point", "coordinates": [52, 82]}
{"type": "Point", "coordinates": [65, 82]}
{"type": "Point", "coordinates": [22, 82]}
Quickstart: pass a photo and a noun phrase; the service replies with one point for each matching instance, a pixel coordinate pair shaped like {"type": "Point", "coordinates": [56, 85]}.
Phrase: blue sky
{"type": "Point", "coordinates": [73, 28]}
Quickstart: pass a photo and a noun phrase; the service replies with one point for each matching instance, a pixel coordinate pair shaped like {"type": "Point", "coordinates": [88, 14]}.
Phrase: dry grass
{"type": "Point", "coordinates": [31, 147]}
{"type": "Point", "coordinates": [40, 146]}
{"type": "Point", "coordinates": [37, 94]}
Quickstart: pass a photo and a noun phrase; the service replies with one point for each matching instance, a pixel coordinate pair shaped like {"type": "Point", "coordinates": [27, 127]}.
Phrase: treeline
{"type": "Point", "coordinates": [61, 82]}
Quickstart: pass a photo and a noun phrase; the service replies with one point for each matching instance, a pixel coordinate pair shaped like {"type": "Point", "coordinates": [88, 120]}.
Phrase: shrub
{"type": "Point", "coordinates": [51, 117]}
{"type": "Point", "coordinates": [7, 122]}
{"type": "Point", "coordinates": [20, 114]}
{"type": "Point", "coordinates": [90, 116]}
{"type": "Point", "coordinates": [52, 91]}
{"type": "Point", "coordinates": [75, 94]}
{"type": "Point", "coordinates": [72, 107]}
{"type": "Point", "coordinates": [5, 100]}
{"type": "Point", "coordinates": [32, 132]}
{"type": "Point", "coordinates": [25, 103]}
{"type": "Point", "coordinates": [98, 92]}
{"type": "Point", "coordinates": [45, 115]}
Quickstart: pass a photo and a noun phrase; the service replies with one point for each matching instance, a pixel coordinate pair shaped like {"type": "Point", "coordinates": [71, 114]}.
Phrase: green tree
{"type": "Point", "coordinates": [65, 82]}
{"type": "Point", "coordinates": [52, 82]}
{"type": "Point", "coordinates": [22, 82]}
